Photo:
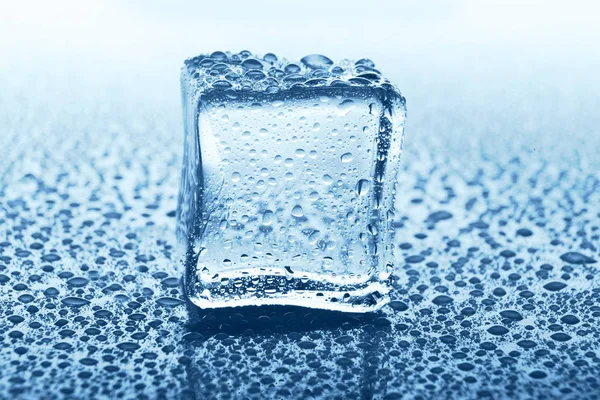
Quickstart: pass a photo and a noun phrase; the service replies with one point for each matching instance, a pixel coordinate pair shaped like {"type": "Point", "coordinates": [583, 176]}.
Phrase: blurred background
{"type": "Point", "coordinates": [509, 73]}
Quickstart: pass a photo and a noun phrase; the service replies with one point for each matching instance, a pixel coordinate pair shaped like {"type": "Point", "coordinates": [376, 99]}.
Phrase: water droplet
{"type": "Point", "coordinates": [75, 301]}
{"type": "Point", "coordinates": [267, 218]}
{"type": "Point", "coordinates": [169, 302]}
{"type": "Point", "coordinates": [77, 282]}
{"type": "Point", "coordinates": [128, 346]}
{"type": "Point", "coordinates": [297, 211]}
{"type": "Point", "coordinates": [497, 330]}
{"type": "Point", "coordinates": [362, 187]}
{"type": "Point", "coordinates": [442, 300]}
{"type": "Point", "coordinates": [252, 63]}
{"type": "Point", "coordinates": [345, 107]}
{"type": "Point", "coordinates": [372, 229]}
{"type": "Point", "coordinates": [574, 257]}
{"type": "Point", "coordinates": [555, 286]}
{"type": "Point", "coordinates": [374, 109]}
{"type": "Point", "coordinates": [312, 239]}
{"type": "Point", "coordinates": [317, 61]}
{"type": "Point", "coordinates": [346, 157]}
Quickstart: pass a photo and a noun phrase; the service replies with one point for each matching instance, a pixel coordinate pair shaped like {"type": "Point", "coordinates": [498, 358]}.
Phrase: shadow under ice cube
{"type": "Point", "coordinates": [288, 181]}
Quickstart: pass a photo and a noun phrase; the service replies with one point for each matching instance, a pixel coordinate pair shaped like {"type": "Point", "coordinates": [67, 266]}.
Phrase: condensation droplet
{"type": "Point", "coordinates": [267, 218]}
{"type": "Point", "coordinates": [297, 211]}
{"type": "Point", "coordinates": [362, 187]}
{"type": "Point", "coordinates": [345, 107]}
{"type": "Point", "coordinates": [313, 237]}
{"type": "Point", "coordinates": [346, 157]}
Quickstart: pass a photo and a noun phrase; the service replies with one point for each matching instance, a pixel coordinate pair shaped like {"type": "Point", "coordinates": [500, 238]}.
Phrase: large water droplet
{"type": "Point", "coordinates": [316, 61]}
{"type": "Point", "coordinates": [267, 218]}
{"type": "Point", "coordinates": [346, 157]}
{"type": "Point", "coordinates": [75, 301]}
{"type": "Point", "coordinates": [297, 211]}
{"type": "Point", "coordinates": [362, 187]}
{"type": "Point", "coordinates": [313, 237]}
{"type": "Point", "coordinates": [252, 63]}
{"type": "Point", "coordinates": [345, 107]}
{"type": "Point", "coordinates": [327, 179]}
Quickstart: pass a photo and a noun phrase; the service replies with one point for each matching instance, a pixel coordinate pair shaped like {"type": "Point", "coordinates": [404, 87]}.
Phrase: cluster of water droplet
{"type": "Point", "coordinates": [245, 71]}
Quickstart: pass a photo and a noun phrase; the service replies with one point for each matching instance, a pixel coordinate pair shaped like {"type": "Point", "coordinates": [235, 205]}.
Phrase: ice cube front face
{"type": "Point", "coordinates": [288, 182]}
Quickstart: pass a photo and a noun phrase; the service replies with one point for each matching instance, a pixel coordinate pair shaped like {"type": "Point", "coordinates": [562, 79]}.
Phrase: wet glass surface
{"type": "Point", "coordinates": [496, 293]}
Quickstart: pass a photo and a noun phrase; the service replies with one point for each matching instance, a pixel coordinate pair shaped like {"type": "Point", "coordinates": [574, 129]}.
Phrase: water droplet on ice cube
{"type": "Point", "coordinates": [267, 218]}
{"type": "Point", "coordinates": [346, 157]}
{"type": "Point", "coordinates": [317, 61]}
{"type": "Point", "coordinates": [297, 211]}
{"type": "Point", "coordinates": [362, 187]}
{"type": "Point", "coordinates": [345, 107]}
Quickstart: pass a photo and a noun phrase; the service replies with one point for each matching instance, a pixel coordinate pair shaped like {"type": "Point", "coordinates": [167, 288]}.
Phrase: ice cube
{"type": "Point", "coordinates": [288, 181]}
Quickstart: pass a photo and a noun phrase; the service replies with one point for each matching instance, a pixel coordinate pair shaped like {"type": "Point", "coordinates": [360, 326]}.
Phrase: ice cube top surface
{"type": "Point", "coordinates": [245, 71]}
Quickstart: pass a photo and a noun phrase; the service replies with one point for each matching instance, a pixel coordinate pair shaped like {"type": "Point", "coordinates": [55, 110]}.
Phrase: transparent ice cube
{"type": "Point", "coordinates": [288, 181]}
